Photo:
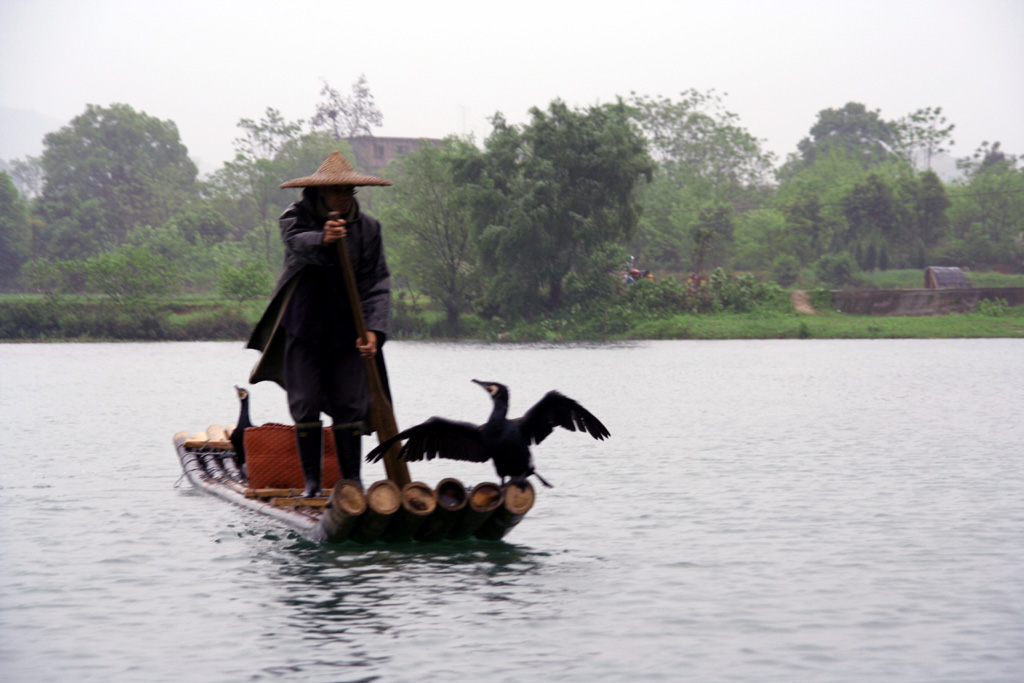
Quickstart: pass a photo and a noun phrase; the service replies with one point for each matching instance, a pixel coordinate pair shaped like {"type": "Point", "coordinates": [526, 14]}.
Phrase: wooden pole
{"type": "Point", "coordinates": [381, 413]}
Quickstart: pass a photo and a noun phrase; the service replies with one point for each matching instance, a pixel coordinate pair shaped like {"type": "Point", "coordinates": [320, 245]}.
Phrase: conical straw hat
{"type": "Point", "coordinates": [336, 171]}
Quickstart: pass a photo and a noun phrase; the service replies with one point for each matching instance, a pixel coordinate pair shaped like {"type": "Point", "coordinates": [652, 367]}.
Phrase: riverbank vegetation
{"type": "Point", "coordinates": [645, 217]}
{"type": "Point", "coordinates": [728, 308]}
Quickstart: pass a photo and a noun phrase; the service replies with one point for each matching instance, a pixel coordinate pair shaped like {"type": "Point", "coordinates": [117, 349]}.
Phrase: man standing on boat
{"type": "Point", "coordinates": [307, 335]}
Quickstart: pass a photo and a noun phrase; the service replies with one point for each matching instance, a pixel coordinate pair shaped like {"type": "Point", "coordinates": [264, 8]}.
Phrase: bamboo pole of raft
{"type": "Point", "coordinates": [381, 413]}
{"type": "Point", "coordinates": [484, 499]}
{"type": "Point", "coordinates": [218, 437]}
{"type": "Point", "coordinates": [196, 440]}
{"type": "Point", "coordinates": [213, 464]}
{"type": "Point", "coordinates": [309, 527]}
{"type": "Point", "coordinates": [515, 504]}
{"type": "Point", "coordinates": [347, 504]}
{"type": "Point", "coordinates": [418, 503]}
{"type": "Point", "coordinates": [230, 466]}
{"type": "Point", "coordinates": [383, 500]}
{"type": "Point", "coordinates": [451, 501]}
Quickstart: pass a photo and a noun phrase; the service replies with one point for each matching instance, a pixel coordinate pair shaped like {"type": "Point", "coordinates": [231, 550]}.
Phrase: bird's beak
{"type": "Point", "coordinates": [489, 386]}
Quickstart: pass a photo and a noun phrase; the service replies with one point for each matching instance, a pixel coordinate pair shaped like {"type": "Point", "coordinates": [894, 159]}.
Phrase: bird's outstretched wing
{"type": "Point", "coordinates": [437, 437]}
{"type": "Point", "coordinates": [558, 410]}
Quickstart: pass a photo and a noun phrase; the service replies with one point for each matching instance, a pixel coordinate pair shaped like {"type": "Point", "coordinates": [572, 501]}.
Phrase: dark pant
{"type": "Point", "coordinates": [325, 379]}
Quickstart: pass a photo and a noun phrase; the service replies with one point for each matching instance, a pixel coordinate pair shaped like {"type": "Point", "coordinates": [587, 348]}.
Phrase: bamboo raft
{"type": "Point", "coordinates": [384, 512]}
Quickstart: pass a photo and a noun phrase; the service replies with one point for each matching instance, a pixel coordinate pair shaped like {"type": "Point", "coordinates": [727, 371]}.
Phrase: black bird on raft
{"type": "Point", "coordinates": [238, 434]}
{"type": "Point", "coordinates": [505, 441]}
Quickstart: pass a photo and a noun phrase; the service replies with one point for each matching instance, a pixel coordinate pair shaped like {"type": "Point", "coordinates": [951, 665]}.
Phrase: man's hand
{"type": "Point", "coordinates": [369, 349]}
{"type": "Point", "coordinates": [334, 231]}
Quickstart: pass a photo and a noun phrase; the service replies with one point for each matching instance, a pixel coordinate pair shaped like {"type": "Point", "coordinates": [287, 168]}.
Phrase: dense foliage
{"type": "Point", "coordinates": [540, 223]}
{"type": "Point", "coordinates": [110, 170]}
{"type": "Point", "coordinates": [15, 232]}
{"type": "Point", "coordinates": [429, 218]}
{"type": "Point", "coordinates": [566, 185]}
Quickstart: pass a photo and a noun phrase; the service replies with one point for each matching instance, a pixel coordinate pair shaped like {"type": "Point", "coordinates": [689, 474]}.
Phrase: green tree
{"type": "Point", "coordinates": [55, 277]}
{"type": "Point", "coordinates": [568, 182]}
{"type": "Point", "coordinates": [870, 210]}
{"type": "Point", "coordinates": [187, 266]}
{"type": "Point", "coordinates": [346, 117]}
{"type": "Point", "coordinates": [201, 225]}
{"type": "Point", "coordinates": [760, 237]}
{"type": "Point", "coordinates": [28, 176]}
{"type": "Point", "coordinates": [127, 274]}
{"type": "Point", "coordinates": [918, 216]}
{"type": "Point", "coordinates": [429, 215]}
{"type": "Point", "coordinates": [711, 234]}
{"type": "Point", "coordinates": [661, 240]}
{"type": "Point", "coordinates": [883, 256]}
{"type": "Point", "coordinates": [862, 133]}
{"type": "Point", "coordinates": [253, 178]}
{"type": "Point", "coordinates": [931, 206]}
{"type": "Point", "coordinates": [704, 157]}
{"type": "Point", "coordinates": [697, 139]}
{"type": "Point", "coordinates": [107, 171]}
{"type": "Point", "coordinates": [988, 156]}
{"type": "Point", "coordinates": [921, 135]}
{"type": "Point", "coordinates": [867, 256]}
{"type": "Point", "coordinates": [987, 210]}
{"type": "Point", "coordinates": [811, 198]}
{"type": "Point", "coordinates": [808, 231]}
{"type": "Point", "coordinates": [15, 232]}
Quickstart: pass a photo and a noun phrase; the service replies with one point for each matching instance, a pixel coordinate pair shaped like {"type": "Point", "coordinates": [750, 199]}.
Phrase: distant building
{"type": "Point", "coordinates": [939, 277]}
{"type": "Point", "coordinates": [372, 154]}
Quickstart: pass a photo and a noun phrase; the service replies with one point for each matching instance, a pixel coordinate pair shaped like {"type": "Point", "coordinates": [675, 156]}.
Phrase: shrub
{"type": "Point", "coordinates": [220, 323]}
{"type": "Point", "coordinates": [742, 293]}
{"type": "Point", "coordinates": [993, 307]}
{"type": "Point", "coordinates": [836, 269]}
{"type": "Point", "coordinates": [821, 299]}
{"type": "Point", "coordinates": [28, 320]}
{"type": "Point", "coordinates": [249, 280]}
{"type": "Point", "coordinates": [647, 298]}
{"type": "Point", "coordinates": [55, 277]}
{"type": "Point", "coordinates": [128, 274]}
{"type": "Point", "coordinates": [786, 270]}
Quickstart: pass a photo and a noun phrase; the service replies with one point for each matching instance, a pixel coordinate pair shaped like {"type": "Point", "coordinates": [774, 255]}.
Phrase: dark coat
{"type": "Point", "coordinates": [302, 233]}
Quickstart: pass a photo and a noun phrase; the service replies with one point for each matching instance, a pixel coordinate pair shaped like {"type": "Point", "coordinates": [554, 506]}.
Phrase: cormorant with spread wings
{"type": "Point", "coordinates": [505, 441]}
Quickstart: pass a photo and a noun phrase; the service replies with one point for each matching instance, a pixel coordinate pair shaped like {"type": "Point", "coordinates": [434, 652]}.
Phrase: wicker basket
{"type": "Point", "coordinates": [272, 458]}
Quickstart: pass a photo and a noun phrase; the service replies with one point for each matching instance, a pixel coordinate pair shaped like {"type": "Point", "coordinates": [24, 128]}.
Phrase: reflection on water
{"type": "Point", "coordinates": [334, 597]}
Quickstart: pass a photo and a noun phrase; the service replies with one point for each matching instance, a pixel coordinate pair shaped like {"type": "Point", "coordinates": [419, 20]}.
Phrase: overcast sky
{"type": "Point", "coordinates": [443, 67]}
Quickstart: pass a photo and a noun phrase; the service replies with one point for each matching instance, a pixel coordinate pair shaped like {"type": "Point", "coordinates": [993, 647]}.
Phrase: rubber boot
{"type": "Point", "coordinates": [349, 444]}
{"type": "Point", "coordinates": [309, 436]}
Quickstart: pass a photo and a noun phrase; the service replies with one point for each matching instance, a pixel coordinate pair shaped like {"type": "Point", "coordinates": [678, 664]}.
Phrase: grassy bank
{"type": "Point", "coordinates": [80, 318]}
{"type": "Point", "coordinates": [833, 325]}
{"type": "Point", "coordinates": [37, 318]}
{"type": "Point", "coordinates": [914, 279]}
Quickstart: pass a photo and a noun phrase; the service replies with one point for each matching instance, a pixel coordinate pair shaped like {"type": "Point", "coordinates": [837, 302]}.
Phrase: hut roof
{"type": "Point", "coordinates": [945, 277]}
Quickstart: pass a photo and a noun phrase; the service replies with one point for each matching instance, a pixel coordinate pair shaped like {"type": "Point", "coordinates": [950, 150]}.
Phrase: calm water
{"type": "Point", "coordinates": [764, 511]}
